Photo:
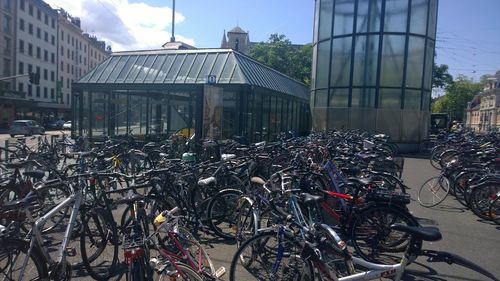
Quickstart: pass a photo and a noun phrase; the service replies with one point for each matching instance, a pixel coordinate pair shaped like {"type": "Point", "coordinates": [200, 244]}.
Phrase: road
{"type": "Point", "coordinates": [463, 234]}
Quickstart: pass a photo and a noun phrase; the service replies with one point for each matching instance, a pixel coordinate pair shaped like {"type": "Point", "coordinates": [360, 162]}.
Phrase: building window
{"type": "Point", "coordinates": [30, 9]}
{"type": "Point", "coordinates": [67, 83]}
{"type": "Point", "coordinates": [52, 39]}
{"type": "Point", "coordinates": [62, 51]}
{"type": "Point", "coordinates": [30, 28]}
{"type": "Point", "coordinates": [38, 52]}
{"type": "Point", "coordinates": [67, 53]}
{"type": "Point", "coordinates": [71, 69]}
{"type": "Point", "coordinates": [52, 58]}
{"type": "Point", "coordinates": [21, 24]}
{"type": "Point", "coordinates": [67, 38]}
{"type": "Point", "coordinates": [62, 82]}
{"type": "Point", "coordinates": [62, 35]}
{"type": "Point", "coordinates": [30, 49]}
{"type": "Point", "coordinates": [52, 93]}
{"type": "Point", "coordinates": [45, 55]}
{"type": "Point", "coordinates": [21, 46]}
{"type": "Point", "coordinates": [38, 14]}
{"type": "Point", "coordinates": [30, 68]}
{"type": "Point", "coordinates": [30, 90]}
{"type": "Point", "coordinates": [72, 41]}
{"type": "Point", "coordinates": [67, 68]}
{"type": "Point", "coordinates": [46, 19]}
{"type": "Point", "coordinates": [38, 70]}
{"type": "Point", "coordinates": [21, 67]}
{"type": "Point", "coordinates": [62, 66]}
{"type": "Point", "coordinates": [45, 74]}
{"type": "Point", "coordinates": [7, 48]}
{"type": "Point", "coordinates": [38, 33]}
{"type": "Point", "coordinates": [45, 92]}
{"type": "Point", "coordinates": [67, 98]}
{"type": "Point", "coordinates": [53, 23]}
{"type": "Point", "coordinates": [6, 4]}
{"type": "Point", "coordinates": [37, 91]}
{"type": "Point", "coordinates": [21, 5]}
{"type": "Point", "coordinates": [46, 36]}
{"type": "Point", "coordinates": [20, 87]}
{"type": "Point", "coordinates": [6, 24]}
{"type": "Point", "coordinates": [52, 76]}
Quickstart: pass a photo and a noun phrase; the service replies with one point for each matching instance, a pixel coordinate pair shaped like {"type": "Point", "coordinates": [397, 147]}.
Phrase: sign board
{"type": "Point", "coordinates": [211, 79]}
{"type": "Point", "coordinates": [212, 112]}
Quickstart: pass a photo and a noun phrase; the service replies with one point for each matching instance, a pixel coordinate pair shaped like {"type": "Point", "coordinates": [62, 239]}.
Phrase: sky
{"type": "Point", "coordinates": [468, 38]}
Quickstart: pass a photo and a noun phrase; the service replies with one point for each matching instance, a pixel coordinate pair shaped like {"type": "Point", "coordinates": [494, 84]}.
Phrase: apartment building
{"type": "Point", "coordinates": [37, 38]}
{"type": "Point", "coordinates": [7, 58]}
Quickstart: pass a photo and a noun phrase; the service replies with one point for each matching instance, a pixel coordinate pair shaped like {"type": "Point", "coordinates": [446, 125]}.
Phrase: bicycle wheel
{"type": "Point", "coordinates": [247, 222]}
{"type": "Point", "coordinates": [98, 243]}
{"type": "Point", "coordinates": [372, 236]}
{"type": "Point", "coordinates": [480, 199]}
{"type": "Point", "coordinates": [260, 258]}
{"type": "Point", "coordinates": [12, 257]}
{"type": "Point", "coordinates": [494, 210]}
{"type": "Point", "coordinates": [184, 273]}
{"type": "Point", "coordinates": [221, 213]}
{"type": "Point", "coordinates": [433, 191]}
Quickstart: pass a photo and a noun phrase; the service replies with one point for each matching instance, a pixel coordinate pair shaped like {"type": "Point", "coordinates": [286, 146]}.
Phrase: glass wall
{"type": "Point", "coordinates": [258, 115]}
{"type": "Point", "coordinates": [378, 55]}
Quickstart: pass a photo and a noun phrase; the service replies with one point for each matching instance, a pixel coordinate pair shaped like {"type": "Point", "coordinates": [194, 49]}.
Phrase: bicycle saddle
{"type": "Point", "coordinates": [310, 199]}
{"type": "Point", "coordinates": [421, 233]}
{"type": "Point", "coordinates": [362, 181]}
{"type": "Point", "coordinates": [130, 199]}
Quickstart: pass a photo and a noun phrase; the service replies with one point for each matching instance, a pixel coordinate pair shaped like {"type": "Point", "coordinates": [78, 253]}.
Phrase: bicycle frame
{"type": "Point", "coordinates": [35, 235]}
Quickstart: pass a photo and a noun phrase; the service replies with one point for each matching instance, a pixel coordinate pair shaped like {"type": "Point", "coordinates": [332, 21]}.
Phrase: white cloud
{"type": "Point", "coordinates": [124, 25]}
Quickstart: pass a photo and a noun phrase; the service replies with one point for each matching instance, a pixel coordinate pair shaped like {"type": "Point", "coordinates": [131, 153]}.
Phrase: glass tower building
{"type": "Point", "coordinates": [372, 66]}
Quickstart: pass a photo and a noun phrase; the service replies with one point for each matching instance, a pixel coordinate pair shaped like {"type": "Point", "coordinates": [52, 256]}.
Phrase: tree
{"type": "Point", "coordinates": [440, 76]}
{"type": "Point", "coordinates": [458, 94]}
{"type": "Point", "coordinates": [279, 54]}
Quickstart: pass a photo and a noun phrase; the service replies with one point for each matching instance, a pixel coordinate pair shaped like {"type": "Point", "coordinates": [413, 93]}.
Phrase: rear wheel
{"type": "Point", "coordinates": [372, 236]}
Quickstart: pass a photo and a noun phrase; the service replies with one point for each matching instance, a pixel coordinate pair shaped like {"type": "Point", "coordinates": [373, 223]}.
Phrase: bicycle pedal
{"type": "Point", "coordinates": [220, 272]}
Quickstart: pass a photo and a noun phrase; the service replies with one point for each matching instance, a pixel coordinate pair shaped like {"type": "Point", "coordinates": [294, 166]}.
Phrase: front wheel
{"type": "Point", "coordinates": [434, 191]}
{"type": "Point", "coordinates": [267, 257]}
{"type": "Point", "coordinates": [12, 257]}
{"type": "Point", "coordinates": [222, 215]}
{"type": "Point", "coordinates": [99, 243]}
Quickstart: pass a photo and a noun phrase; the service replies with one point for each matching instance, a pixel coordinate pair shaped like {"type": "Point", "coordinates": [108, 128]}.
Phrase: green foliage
{"type": "Point", "coordinates": [458, 94]}
{"type": "Point", "coordinates": [440, 76]}
{"type": "Point", "coordinates": [279, 54]}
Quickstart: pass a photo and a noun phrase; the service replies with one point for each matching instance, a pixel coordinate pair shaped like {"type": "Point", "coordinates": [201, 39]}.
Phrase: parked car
{"type": "Point", "coordinates": [67, 125]}
{"type": "Point", "coordinates": [56, 125]}
{"type": "Point", "coordinates": [26, 127]}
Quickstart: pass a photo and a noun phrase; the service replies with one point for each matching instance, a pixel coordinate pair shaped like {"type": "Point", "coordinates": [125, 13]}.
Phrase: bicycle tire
{"type": "Point", "coordinates": [494, 210]}
{"type": "Point", "coordinates": [16, 249]}
{"type": "Point", "coordinates": [221, 215]}
{"type": "Point", "coordinates": [480, 199]}
{"type": "Point", "coordinates": [99, 232]}
{"type": "Point", "coordinates": [248, 220]}
{"type": "Point", "coordinates": [261, 248]}
{"type": "Point", "coordinates": [372, 237]}
{"type": "Point", "coordinates": [437, 188]}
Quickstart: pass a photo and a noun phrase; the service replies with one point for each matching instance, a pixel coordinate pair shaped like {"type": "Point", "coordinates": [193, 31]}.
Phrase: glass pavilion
{"type": "Point", "coordinates": [372, 66]}
{"type": "Point", "coordinates": [218, 93]}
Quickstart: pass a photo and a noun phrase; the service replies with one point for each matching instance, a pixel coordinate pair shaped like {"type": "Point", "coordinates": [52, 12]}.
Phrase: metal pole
{"type": "Point", "coordinates": [6, 152]}
{"type": "Point", "coordinates": [172, 38]}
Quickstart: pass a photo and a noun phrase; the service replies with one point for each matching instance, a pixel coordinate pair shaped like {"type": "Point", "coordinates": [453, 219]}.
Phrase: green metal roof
{"type": "Point", "coordinates": [190, 67]}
